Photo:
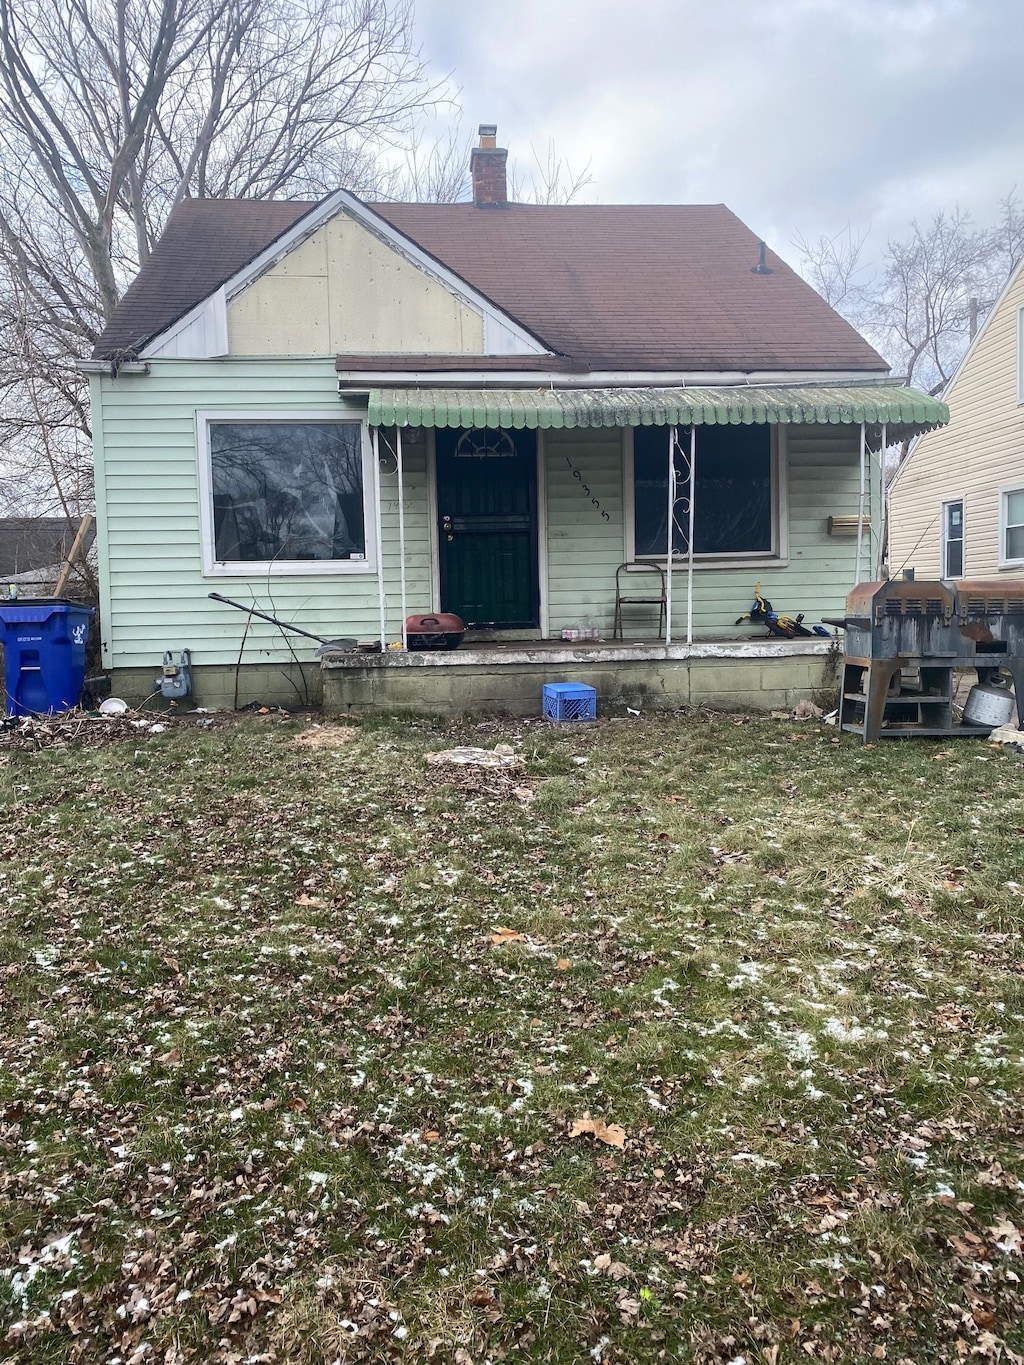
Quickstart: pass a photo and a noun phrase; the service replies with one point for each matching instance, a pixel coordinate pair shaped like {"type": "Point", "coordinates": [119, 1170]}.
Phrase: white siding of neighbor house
{"type": "Point", "coordinates": [155, 593]}
{"type": "Point", "coordinates": [343, 290]}
{"type": "Point", "coordinates": [981, 451]}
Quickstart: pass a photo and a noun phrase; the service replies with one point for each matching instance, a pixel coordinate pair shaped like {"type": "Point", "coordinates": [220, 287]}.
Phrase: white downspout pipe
{"type": "Point", "coordinates": [378, 522]}
{"type": "Point", "coordinates": [689, 534]}
{"type": "Point", "coordinates": [860, 501]}
{"type": "Point", "coordinates": [401, 530]}
{"type": "Point", "coordinates": [671, 527]}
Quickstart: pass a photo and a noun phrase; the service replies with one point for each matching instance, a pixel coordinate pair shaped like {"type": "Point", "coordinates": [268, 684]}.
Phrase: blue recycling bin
{"type": "Point", "coordinates": [44, 654]}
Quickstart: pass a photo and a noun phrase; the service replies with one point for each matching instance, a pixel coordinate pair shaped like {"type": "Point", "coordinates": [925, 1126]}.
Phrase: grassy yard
{"type": "Point", "coordinates": [690, 1040]}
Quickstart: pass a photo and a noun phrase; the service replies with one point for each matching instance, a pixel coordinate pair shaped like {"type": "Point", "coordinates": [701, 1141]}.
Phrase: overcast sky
{"type": "Point", "coordinates": [801, 115]}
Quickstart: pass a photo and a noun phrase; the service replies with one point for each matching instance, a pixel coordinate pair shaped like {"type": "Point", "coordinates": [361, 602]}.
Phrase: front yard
{"type": "Point", "coordinates": [691, 1040]}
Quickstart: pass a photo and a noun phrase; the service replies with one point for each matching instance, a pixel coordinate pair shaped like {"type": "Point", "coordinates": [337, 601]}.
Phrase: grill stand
{"type": "Point", "coordinates": [871, 706]}
{"type": "Point", "coordinates": [905, 640]}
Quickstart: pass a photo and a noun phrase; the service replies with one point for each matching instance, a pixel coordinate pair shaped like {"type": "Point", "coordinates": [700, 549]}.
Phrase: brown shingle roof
{"type": "Point", "coordinates": [616, 287]}
{"type": "Point", "coordinates": [656, 287]}
{"type": "Point", "coordinates": [205, 242]}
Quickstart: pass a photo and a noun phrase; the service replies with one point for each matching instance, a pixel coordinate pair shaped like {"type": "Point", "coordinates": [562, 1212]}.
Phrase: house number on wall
{"type": "Point", "coordinates": [585, 490]}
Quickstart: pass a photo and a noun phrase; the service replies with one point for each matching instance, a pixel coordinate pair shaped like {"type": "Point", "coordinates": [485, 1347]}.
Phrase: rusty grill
{"type": "Point", "coordinates": [904, 640]}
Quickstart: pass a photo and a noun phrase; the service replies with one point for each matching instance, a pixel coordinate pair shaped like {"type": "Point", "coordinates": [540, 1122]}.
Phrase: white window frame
{"type": "Point", "coordinates": [215, 568]}
{"type": "Point", "coordinates": [962, 504]}
{"type": "Point", "coordinates": [1004, 494]}
{"type": "Point", "coordinates": [776, 557]}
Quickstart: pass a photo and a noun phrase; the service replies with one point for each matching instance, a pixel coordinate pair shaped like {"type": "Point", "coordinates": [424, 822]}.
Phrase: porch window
{"type": "Point", "coordinates": [1011, 530]}
{"type": "Point", "coordinates": [284, 494]}
{"type": "Point", "coordinates": [734, 494]}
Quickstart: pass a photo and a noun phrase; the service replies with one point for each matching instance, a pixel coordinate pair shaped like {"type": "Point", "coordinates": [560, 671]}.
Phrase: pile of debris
{"type": "Point", "coordinates": [85, 729]}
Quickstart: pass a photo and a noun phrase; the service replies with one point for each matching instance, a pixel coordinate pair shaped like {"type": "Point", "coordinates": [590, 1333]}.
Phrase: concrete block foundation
{"type": "Point", "coordinates": [214, 685]}
{"type": "Point", "coordinates": [745, 676]}
{"type": "Point", "coordinates": [508, 679]}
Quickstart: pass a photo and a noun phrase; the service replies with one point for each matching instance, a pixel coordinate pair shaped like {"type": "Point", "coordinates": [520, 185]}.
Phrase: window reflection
{"type": "Point", "coordinates": [732, 493]}
{"type": "Point", "coordinates": [287, 491]}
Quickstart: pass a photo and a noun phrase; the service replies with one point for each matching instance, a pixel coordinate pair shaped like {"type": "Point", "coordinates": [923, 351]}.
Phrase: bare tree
{"type": "Point", "coordinates": [550, 181]}
{"type": "Point", "coordinates": [432, 171]}
{"type": "Point", "coordinates": [923, 307]}
{"type": "Point", "coordinates": [437, 172]}
{"type": "Point", "coordinates": [1009, 234]}
{"type": "Point", "coordinates": [920, 304]}
{"type": "Point", "coordinates": [835, 267]}
{"type": "Point", "coordinates": [112, 111]}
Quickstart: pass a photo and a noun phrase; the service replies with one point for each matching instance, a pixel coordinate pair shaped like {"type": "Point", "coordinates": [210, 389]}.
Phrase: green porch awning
{"type": "Point", "coordinates": [905, 411]}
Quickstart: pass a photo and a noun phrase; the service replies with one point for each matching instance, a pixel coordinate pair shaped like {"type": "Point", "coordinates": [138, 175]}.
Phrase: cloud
{"type": "Point", "coordinates": [801, 115]}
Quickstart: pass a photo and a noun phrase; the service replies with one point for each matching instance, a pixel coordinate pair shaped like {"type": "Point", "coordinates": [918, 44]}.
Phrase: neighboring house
{"type": "Point", "coordinates": [956, 505]}
{"type": "Point", "coordinates": [345, 413]}
{"type": "Point", "coordinates": [32, 549]}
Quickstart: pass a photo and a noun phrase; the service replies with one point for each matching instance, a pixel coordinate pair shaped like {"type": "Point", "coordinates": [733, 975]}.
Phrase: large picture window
{"type": "Point", "coordinates": [734, 496]}
{"type": "Point", "coordinates": [284, 494]}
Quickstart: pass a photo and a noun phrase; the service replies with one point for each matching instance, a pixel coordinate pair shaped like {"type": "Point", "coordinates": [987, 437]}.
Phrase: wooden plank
{"type": "Point", "coordinates": [76, 552]}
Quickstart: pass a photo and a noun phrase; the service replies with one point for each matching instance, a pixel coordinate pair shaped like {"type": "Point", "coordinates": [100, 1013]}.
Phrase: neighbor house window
{"type": "Point", "coordinates": [734, 493]}
{"type": "Point", "coordinates": [287, 495]}
{"type": "Point", "coordinates": [952, 540]}
{"type": "Point", "coordinates": [1011, 532]}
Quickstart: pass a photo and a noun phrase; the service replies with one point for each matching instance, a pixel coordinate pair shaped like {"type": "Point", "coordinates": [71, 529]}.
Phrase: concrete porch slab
{"type": "Point", "coordinates": [509, 677]}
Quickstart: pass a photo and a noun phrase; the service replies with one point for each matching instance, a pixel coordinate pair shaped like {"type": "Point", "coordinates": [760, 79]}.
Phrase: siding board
{"type": "Point", "coordinates": [155, 596]}
{"type": "Point", "coordinates": [154, 592]}
{"type": "Point", "coordinates": [981, 450]}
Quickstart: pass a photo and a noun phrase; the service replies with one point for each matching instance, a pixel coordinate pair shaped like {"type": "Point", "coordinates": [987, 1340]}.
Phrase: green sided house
{"type": "Point", "coordinates": [345, 413]}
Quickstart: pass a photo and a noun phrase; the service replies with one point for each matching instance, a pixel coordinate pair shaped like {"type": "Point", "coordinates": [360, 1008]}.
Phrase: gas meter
{"type": "Point", "coordinates": [175, 680]}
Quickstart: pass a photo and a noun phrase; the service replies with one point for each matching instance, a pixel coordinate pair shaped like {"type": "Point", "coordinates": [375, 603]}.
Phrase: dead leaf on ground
{"type": "Point", "coordinates": [327, 736]}
{"type": "Point", "coordinates": [1006, 1237]}
{"type": "Point", "coordinates": [502, 934]}
{"type": "Point", "coordinates": [613, 1269]}
{"type": "Point", "coordinates": [612, 1134]}
{"type": "Point", "coordinates": [563, 964]}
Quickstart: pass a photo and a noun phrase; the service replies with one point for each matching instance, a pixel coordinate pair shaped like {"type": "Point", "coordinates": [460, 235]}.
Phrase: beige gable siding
{"type": "Point", "coordinates": [345, 290]}
{"type": "Point", "coordinates": [981, 451]}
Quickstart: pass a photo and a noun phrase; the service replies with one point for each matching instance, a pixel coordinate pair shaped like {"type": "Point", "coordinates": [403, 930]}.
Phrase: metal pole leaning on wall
{"type": "Point", "coordinates": [692, 496]}
{"type": "Point", "coordinates": [883, 509]}
{"type": "Point", "coordinates": [379, 524]}
{"type": "Point", "coordinates": [399, 460]}
{"type": "Point", "coordinates": [671, 520]}
{"type": "Point", "coordinates": [860, 502]}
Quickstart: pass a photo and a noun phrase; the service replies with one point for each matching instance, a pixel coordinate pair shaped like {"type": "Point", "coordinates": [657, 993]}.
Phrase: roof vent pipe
{"type": "Point", "coordinates": [762, 267]}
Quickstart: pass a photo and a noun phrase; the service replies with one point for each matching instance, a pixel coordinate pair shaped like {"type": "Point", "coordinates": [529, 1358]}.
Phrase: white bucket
{"type": "Point", "coordinates": [988, 704]}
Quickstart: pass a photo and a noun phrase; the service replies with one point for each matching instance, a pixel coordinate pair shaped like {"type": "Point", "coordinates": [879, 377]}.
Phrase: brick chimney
{"type": "Point", "coordinates": [487, 167]}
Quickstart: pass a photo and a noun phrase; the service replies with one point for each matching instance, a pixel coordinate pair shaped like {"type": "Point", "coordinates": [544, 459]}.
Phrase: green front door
{"type": "Point", "coordinates": [487, 511]}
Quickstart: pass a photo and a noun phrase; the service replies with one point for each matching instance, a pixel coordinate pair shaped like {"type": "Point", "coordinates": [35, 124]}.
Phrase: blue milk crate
{"type": "Point", "coordinates": [569, 701]}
